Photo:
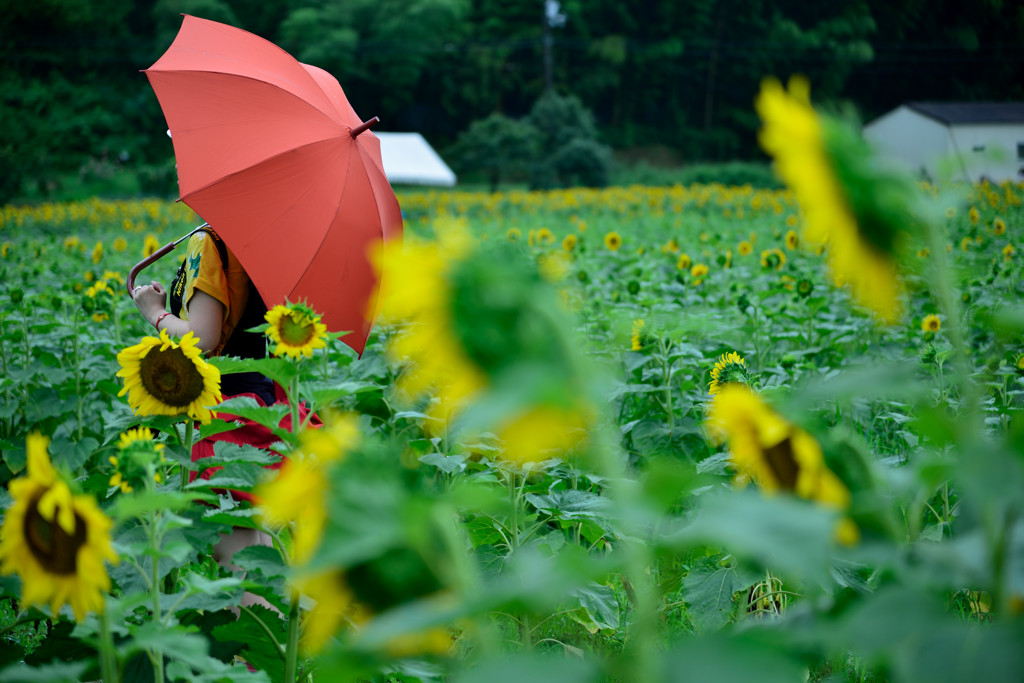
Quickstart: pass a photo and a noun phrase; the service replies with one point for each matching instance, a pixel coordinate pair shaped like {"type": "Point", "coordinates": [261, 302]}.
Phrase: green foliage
{"type": "Point", "coordinates": [636, 555]}
{"type": "Point", "coordinates": [567, 135]}
{"type": "Point", "coordinates": [498, 147]}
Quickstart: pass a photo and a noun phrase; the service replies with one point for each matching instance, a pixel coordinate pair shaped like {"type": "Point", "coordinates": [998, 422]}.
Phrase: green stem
{"type": "Point", "coordinates": [154, 543]}
{"type": "Point", "coordinates": [292, 645]}
{"type": "Point", "coordinates": [293, 403]}
{"type": "Point", "coordinates": [291, 653]}
{"type": "Point", "coordinates": [666, 373]}
{"type": "Point", "coordinates": [189, 436]}
{"type": "Point", "coordinates": [642, 638]}
{"type": "Point", "coordinates": [75, 353]}
{"type": "Point", "coordinates": [108, 659]}
{"type": "Point", "coordinates": [949, 303]}
{"type": "Point", "coordinates": [1000, 545]}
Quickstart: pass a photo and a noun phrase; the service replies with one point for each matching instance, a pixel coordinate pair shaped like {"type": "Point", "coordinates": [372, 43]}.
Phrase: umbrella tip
{"type": "Point", "coordinates": [365, 125]}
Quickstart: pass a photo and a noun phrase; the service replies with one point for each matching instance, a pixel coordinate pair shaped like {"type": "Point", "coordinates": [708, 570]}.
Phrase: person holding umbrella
{"type": "Point", "coordinates": [213, 298]}
{"type": "Point", "coordinates": [272, 154]}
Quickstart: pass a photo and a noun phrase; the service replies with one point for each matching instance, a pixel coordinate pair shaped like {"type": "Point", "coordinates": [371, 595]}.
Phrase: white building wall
{"type": "Point", "coordinates": [989, 150]}
{"type": "Point", "coordinates": [911, 140]}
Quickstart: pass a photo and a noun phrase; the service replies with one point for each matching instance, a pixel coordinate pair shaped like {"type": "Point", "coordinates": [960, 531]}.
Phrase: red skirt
{"type": "Point", "coordinates": [252, 434]}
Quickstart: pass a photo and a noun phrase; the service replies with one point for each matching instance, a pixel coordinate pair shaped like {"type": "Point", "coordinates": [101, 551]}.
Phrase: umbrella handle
{"type": "Point", "coordinates": [365, 125]}
{"type": "Point", "coordinates": [156, 255]}
{"type": "Point", "coordinates": [147, 262]}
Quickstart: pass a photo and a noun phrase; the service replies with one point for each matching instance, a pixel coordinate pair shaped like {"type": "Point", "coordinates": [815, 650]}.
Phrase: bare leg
{"type": "Point", "coordinates": [230, 543]}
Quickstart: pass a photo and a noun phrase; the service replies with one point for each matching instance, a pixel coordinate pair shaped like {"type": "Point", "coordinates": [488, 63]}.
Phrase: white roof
{"type": "Point", "coordinates": [409, 159]}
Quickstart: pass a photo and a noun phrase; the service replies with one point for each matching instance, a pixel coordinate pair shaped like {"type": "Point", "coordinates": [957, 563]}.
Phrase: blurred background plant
{"type": "Point", "coordinates": [534, 492]}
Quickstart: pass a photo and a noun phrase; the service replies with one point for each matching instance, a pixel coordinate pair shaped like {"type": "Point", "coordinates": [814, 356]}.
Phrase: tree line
{"type": "Point", "coordinates": [677, 76]}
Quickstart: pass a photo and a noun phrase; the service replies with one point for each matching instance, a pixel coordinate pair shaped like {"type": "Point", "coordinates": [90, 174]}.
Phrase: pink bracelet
{"type": "Point", "coordinates": [159, 318]}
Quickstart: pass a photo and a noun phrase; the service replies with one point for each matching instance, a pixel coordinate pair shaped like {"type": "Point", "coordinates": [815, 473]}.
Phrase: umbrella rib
{"type": "Point", "coordinates": [330, 115]}
{"type": "Point", "coordinates": [337, 209]}
{"type": "Point", "coordinates": [375, 294]}
{"type": "Point", "coordinates": [265, 160]}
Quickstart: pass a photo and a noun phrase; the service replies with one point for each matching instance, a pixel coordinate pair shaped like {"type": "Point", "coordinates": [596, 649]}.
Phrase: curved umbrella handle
{"type": "Point", "coordinates": [156, 255]}
{"type": "Point", "coordinates": [145, 263]}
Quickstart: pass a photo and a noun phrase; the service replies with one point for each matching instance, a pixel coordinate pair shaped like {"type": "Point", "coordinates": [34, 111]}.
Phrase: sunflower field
{"type": "Point", "coordinates": [630, 434]}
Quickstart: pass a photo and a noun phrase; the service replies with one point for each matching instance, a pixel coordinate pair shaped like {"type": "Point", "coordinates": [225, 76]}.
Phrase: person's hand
{"type": "Point", "coordinates": [150, 299]}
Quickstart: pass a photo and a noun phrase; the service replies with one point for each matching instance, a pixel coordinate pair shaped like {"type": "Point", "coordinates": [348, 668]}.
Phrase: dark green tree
{"type": "Point", "coordinates": [497, 147]}
{"type": "Point", "coordinates": [570, 151]}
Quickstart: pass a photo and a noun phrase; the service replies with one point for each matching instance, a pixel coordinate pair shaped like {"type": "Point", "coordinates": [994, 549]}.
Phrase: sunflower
{"type": "Point", "coordinates": [684, 262]}
{"type": "Point", "coordinates": [1018, 364]}
{"type": "Point", "coordinates": [822, 162]}
{"type": "Point", "coordinates": [1008, 252]}
{"type": "Point", "coordinates": [554, 266]}
{"type": "Point", "coordinates": [418, 293]}
{"type": "Point", "coordinates": [296, 329]}
{"type": "Point", "coordinates": [804, 287]}
{"type": "Point", "coordinates": [773, 258]}
{"type": "Point", "coordinates": [612, 241]}
{"type": "Point", "coordinates": [745, 248]}
{"type": "Point", "coordinates": [97, 252]}
{"type": "Point", "coordinates": [138, 448]}
{"type": "Point", "coordinates": [792, 240]}
{"type": "Point", "coordinates": [120, 244]}
{"type": "Point", "coordinates": [931, 323]}
{"type": "Point", "coordinates": [542, 432]}
{"type": "Point", "coordinates": [998, 227]}
{"type": "Point", "coordinates": [336, 606]}
{"type": "Point", "coordinates": [698, 272]}
{"type": "Point", "coordinates": [150, 245]}
{"type": "Point", "coordinates": [545, 236]}
{"type": "Point", "coordinates": [775, 454]}
{"type": "Point", "coordinates": [296, 493]}
{"type": "Point", "coordinates": [730, 368]}
{"type": "Point", "coordinates": [638, 326]}
{"type": "Point", "coordinates": [54, 540]}
{"type": "Point", "coordinates": [923, 252]}
{"type": "Point", "coordinates": [973, 215]}
{"type": "Point", "coordinates": [333, 608]}
{"type": "Point", "coordinates": [513, 234]}
{"type": "Point", "coordinates": [162, 377]}
{"type": "Point", "coordinates": [570, 242]}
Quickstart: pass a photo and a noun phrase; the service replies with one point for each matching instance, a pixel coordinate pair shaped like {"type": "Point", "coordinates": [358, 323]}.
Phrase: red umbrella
{"type": "Point", "coordinates": [272, 155]}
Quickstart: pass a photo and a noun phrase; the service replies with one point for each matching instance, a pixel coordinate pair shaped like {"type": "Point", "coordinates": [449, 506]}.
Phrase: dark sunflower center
{"type": "Point", "coordinates": [296, 333]}
{"type": "Point", "coordinates": [171, 377]}
{"type": "Point", "coordinates": [50, 545]}
{"type": "Point", "coordinates": [783, 465]}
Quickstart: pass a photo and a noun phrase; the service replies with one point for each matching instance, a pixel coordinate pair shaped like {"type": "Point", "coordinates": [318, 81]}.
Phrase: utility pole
{"type": "Point", "coordinates": [553, 18]}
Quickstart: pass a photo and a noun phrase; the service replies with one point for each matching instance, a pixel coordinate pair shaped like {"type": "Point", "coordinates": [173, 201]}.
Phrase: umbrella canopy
{"type": "Point", "coordinates": [272, 155]}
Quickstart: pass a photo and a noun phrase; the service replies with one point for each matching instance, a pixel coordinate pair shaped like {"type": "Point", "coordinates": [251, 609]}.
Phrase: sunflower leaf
{"type": "Point", "coordinates": [263, 559]}
{"type": "Point", "coordinates": [279, 370]}
{"type": "Point", "coordinates": [708, 593]}
{"type": "Point", "coordinates": [54, 672]}
{"type": "Point", "coordinates": [247, 408]}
